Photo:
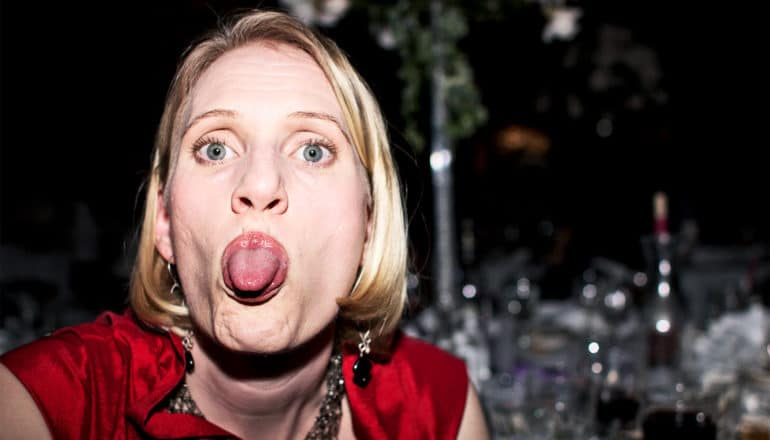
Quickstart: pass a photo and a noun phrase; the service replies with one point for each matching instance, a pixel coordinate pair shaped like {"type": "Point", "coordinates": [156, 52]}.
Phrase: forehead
{"type": "Point", "coordinates": [264, 77]}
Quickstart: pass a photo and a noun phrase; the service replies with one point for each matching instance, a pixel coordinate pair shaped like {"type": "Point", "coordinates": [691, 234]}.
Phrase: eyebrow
{"type": "Point", "coordinates": [321, 116]}
{"type": "Point", "coordinates": [232, 114]}
{"type": "Point", "coordinates": [217, 112]}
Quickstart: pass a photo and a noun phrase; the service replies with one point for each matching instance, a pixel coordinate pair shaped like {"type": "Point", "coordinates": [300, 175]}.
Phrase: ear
{"type": "Point", "coordinates": [163, 229]}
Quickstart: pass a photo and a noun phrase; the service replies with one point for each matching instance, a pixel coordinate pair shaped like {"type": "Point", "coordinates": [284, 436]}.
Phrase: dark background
{"type": "Point", "coordinates": [82, 90]}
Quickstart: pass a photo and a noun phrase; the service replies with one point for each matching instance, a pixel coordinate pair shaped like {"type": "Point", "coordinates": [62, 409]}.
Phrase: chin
{"type": "Point", "coordinates": [281, 324]}
{"type": "Point", "coordinates": [259, 333]}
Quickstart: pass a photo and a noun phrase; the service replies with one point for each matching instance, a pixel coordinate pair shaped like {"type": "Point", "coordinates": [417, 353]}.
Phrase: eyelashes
{"type": "Point", "coordinates": [213, 150]}
{"type": "Point", "coordinates": [317, 151]}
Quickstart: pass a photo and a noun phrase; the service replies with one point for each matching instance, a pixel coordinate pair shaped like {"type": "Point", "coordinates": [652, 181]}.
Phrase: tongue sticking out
{"type": "Point", "coordinates": [251, 271]}
{"type": "Point", "coordinates": [254, 267]}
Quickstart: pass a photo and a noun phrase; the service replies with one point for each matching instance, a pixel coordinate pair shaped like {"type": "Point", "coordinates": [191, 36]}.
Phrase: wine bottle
{"type": "Point", "coordinates": [663, 315]}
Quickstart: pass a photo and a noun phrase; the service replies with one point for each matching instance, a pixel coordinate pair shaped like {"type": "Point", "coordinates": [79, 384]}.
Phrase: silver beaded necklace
{"type": "Point", "coordinates": [327, 423]}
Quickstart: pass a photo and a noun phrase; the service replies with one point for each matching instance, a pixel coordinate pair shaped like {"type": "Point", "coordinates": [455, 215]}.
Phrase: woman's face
{"type": "Point", "coordinates": [265, 210]}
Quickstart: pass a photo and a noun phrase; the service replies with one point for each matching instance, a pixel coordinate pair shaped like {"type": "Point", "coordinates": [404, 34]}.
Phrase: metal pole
{"type": "Point", "coordinates": [441, 158]}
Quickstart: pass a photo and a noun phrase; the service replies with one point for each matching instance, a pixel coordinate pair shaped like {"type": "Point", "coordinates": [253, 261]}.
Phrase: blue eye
{"type": "Point", "coordinates": [211, 150]}
{"type": "Point", "coordinates": [215, 151]}
{"type": "Point", "coordinates": [313, 152]}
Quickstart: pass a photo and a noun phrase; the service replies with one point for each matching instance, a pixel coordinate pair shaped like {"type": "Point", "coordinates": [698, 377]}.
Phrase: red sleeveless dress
{"type": "Point", "coordinates": [109, 378]}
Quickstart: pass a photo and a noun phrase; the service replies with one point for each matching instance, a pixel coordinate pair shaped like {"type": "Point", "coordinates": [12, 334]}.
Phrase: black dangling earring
{"type": "Point", "coordinates": [362, 369]}
{"type": "Point", "coordinates": [176, 290]}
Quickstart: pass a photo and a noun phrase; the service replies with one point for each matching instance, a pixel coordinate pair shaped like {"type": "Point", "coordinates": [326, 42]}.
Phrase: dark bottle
{"type": "Point", "coordinates": [663, 316]}
{"type": "Point", "coordinates": [616, 404]}
{"type": "Point", "coordinates": [673, 424]}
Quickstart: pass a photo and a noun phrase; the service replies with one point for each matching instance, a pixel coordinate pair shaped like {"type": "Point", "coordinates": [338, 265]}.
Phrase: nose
{"type": "Point", "coordinates": [260, 187]}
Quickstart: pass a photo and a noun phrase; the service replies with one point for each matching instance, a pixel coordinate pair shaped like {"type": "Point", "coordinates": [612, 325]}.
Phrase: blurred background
{"type": "Point", "coordinates": [562, 121]}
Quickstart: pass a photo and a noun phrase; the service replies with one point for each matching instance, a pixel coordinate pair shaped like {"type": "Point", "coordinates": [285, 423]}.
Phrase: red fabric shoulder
{"type": "Point", "coordinates": [53, 369]}
{"type": "Point", "coordinates": [85, 378]}
{"type": "Point", "coordinates": [419, 393]}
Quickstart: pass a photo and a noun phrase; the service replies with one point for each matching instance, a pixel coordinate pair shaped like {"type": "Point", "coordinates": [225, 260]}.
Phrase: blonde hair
{"type": "Point", "coordinates": [379, 295]}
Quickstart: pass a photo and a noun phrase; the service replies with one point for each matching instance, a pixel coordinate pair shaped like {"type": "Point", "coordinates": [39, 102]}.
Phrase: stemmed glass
{"type": "Point", "coordinates": [612, 358]}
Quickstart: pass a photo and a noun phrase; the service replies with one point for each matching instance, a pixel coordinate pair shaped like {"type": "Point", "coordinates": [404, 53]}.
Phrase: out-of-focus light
{"type": "Point", "coordinates": [604, 127]}
{"type": "Point", "coordinates": [593, 347]}
{"type": "Point", "coordinates": [596, 367]}
{"type": "Point", "coordinates": [469, 291]}
{"type": "Point", "coordinates": [615, 300]}
{"type": "Point", "coordinates": [663, 325]}
{"type": "Point", "coordinates": [440, 160]}
{"type": "Point", "coordinates": [326, 13]}
{"type": "Point", "coordinates": [589, 291]}
{"type": "Point", "coordinates": [751, 403]}
{"type": "Point", "coordinates": [640, 279]}
{"type": "Point", "coordinates": [484, 373]}
{"type": "Point", "coordinates": [522, 288]}
{"type": "Point", "coordinates": [386, 38]}
{"type": "Point", "coordinates": [514, 307]}
{"type": "Point", "coordinates": [664, 289]}
{"type": "Point", "coordinates": [664, 267]}
{"type": "Point", "coordinates": [562, 24]}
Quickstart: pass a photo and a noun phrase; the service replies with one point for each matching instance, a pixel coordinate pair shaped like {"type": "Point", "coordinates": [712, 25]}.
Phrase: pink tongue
{"type": "Point", "coordinates": [252, 269]}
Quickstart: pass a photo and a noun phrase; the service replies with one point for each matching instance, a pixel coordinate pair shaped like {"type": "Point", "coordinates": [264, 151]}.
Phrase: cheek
{"type": "Point", "coordinates": [197, 204]}
{"type": "Point", "coordinates": [194, 259]}
{"type": "Point", "coordinates": [193, 224]}
{"type": "Point", "coordinates": [336, 230]}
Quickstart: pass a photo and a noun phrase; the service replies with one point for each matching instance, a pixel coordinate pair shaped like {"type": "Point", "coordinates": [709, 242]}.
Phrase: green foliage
{"type": "Point", "coordinates": [405, 26]}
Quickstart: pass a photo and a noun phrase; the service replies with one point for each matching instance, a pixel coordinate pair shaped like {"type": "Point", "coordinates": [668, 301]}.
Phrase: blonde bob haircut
{"type": "Point", "coordinates": [377, 300]}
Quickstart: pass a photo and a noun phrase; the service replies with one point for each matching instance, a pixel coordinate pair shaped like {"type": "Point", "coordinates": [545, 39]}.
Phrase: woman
{"type": "Point", "coordinates": [269, 279]}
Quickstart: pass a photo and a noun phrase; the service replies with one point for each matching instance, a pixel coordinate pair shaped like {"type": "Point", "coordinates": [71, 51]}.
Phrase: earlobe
{"type": "Point", "coordinates": [163, 229]}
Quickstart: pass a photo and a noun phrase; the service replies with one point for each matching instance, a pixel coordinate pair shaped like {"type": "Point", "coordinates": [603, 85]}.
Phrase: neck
{"type": "Point", "coordinates": [261, 396]}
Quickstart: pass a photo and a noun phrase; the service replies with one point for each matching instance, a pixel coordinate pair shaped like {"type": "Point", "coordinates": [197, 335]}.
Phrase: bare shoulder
{"type": "Point", "coordinates": [473, 425]}
{"type": "Point", "coordinates": [19, 414]}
